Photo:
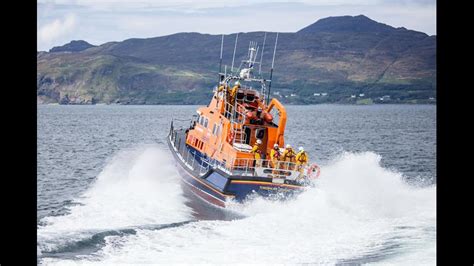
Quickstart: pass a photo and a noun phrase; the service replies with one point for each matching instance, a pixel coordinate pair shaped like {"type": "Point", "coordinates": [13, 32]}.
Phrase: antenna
{"type": "Point", "coordinates": [274, 50]}
{"type": "Point", "coordinates": [248, 51]}
{"type": "Point", "coordinates": [233, 57]}
{"type": "Point", "coordinates": [261, 56]}
{"type": "Point", "coordinates": [256, 53]}
{"type": "Point", "coordinates": [220, 59]}
{"type": "Point", "coordinates": [252, 54]}
{"type": "Point", "coordinates": [271, 70]}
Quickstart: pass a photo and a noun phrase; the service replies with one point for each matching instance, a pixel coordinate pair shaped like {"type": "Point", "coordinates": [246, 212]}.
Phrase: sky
{"type": "Point", "coordinates": [101, 21]}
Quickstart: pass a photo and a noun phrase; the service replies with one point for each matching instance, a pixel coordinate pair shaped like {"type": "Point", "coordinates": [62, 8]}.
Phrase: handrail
{"type": "Point", "coordinates": [232, 165]}
{"type": "Point", "coordinates": [237, 119]}
{"type": "Point", "coordinates": [239, 166]}
{"type": "Point", "coordinates": [231, 111]}
{"type": "Point", "coordinates": [262, 167]}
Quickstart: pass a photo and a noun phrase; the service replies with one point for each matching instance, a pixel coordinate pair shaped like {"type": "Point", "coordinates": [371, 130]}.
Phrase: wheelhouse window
{"type": "Point", "coordinates": [214, 129]}
{"type": "Point", "coordinates": [201, 144]}
{"type": "Point", "coordinates": [203, 121]}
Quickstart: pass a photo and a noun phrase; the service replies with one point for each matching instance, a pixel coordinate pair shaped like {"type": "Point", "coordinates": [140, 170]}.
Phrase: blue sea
{"type": "Point", "coordinates": [109, 192]}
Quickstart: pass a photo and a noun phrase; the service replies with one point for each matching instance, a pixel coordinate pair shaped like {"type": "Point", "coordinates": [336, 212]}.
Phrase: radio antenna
{"type": "Point", "coordinates": [220, 59]}
{"type": "Point", "coordinates": [271, 70]}
{"type": "Point", "coordinates": [233, 57]}
{"type": "Point", "coordinates": [261, 56]}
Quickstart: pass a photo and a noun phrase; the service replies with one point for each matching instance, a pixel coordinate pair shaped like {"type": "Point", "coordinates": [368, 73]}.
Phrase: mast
{"type": "Point", "coordinates": [261, 55]}
{"type": "Point", "coordinates": [264, 93]}
{"type": "Point", "coordinates": [271, 70]}
{"type": "Point", "coordinates": [220, 59]}
{"type": "Point", "coordinates": [253, 50]}
{"type": "Point", "coordinates": [233, 57]}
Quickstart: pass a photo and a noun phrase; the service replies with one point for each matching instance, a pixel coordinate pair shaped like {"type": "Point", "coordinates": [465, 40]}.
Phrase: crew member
{"type": "Point", "coordinates": [230, 97]}
{"type": "Point", "coordinates": [257, 117]}
{"type": "Point", "coordinates": [233, 92]}
{"type": "Point", "coordinates": [222, 87]}
{"type": "Point", "coordinates": [301, 159]}
{"type": "Point", "coordinates": [257, 153]}
{"type": "Point", "coordinates": [275, 156]}
{"type": "Point", "coordinates": [289, 157]}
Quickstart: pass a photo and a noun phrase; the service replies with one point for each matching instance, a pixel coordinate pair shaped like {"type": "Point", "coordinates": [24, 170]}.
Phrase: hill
{"type": "Point", "coordinates": [73, 46]}
{"type": "Point", "coordinates": [337, 57]}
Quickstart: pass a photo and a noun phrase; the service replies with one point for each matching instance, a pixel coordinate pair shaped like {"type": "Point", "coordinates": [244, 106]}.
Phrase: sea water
{"type": "Point", "coordinates": [109, 192]}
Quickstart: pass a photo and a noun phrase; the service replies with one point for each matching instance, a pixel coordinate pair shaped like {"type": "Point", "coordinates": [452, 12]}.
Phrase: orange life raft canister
{"type": "Point", "coordinates": [267, 117]}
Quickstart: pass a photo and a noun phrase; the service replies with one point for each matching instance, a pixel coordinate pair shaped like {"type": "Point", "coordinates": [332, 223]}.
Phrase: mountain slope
{"type": "Point", "coordinates": [73, 46]}
{"type": "Point", "coordinates": [351, 24]}
{"type": "Point", "coordinates": [338, 55]}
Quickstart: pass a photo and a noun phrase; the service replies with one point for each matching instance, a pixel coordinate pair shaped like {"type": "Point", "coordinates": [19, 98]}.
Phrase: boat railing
{"type": "Point", "coordinates": [277, 170]}
{"type": "Point", "coordinates": [234, 112]}
{"type": "Point", "coordinates": [266, 168]}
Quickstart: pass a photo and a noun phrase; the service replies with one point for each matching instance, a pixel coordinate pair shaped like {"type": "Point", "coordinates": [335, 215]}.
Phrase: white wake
{"type": "Point", "coordinates": [137, 187]}
{"type": "Point", "coordinates": [358, 211]}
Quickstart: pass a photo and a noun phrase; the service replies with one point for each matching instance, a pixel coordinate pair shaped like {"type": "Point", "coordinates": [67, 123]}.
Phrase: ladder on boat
{"type": "Point", "coordinates": [234, 112]}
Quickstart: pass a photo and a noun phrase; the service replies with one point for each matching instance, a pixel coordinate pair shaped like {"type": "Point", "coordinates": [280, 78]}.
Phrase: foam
{"type": "Point", "coordinates": [357, 211]}
{"type": "Point", "coordinates": [138, 187]}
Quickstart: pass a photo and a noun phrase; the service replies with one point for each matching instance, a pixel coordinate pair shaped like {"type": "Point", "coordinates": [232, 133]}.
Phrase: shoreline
{"type": "Point", "coordinates": [197, 104]}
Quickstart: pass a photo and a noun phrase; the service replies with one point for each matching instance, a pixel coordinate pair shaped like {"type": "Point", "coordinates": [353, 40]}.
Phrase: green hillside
{"type": "Point", "coordinates": [338, 56]}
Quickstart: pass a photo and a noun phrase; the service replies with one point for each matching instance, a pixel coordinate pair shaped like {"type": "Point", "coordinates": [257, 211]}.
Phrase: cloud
{"type": "Point", "coordinates": [111, 5]}
{"type": "Point", "coordinates": [116, 20]}
{"type": "Point", "coordinates": [57, 29]}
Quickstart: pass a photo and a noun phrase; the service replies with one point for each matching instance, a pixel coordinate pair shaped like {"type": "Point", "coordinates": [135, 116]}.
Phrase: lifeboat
{"type": "Point", "coordinates": [214, 150]}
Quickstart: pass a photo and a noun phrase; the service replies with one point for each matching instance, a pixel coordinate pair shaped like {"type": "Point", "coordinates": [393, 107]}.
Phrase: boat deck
{"type": "Point", "coordinates": [199, 164]}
